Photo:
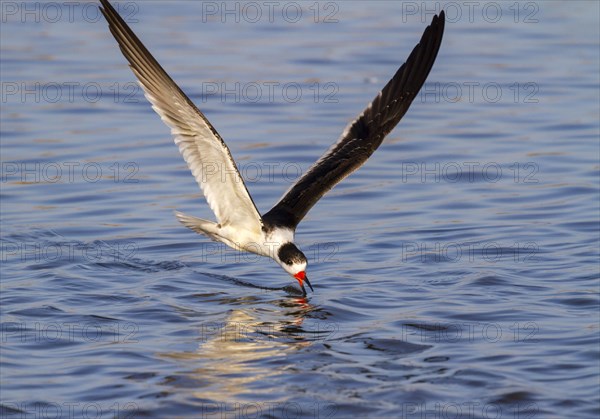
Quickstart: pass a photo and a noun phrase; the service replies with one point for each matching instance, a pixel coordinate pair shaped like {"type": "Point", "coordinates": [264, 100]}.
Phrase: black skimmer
{"type": "Point", "coordinates": [239, 224]}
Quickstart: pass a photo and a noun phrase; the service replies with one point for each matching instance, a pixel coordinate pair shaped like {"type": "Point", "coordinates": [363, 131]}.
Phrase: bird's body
{"type": "Point", "coordinates": [239, 224]}
{"type": "Point", "coordinates": [264, 241]}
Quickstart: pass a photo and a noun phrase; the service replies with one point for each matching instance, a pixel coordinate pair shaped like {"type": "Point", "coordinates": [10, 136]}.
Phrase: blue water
{"type": "Point", "coordinates": [456, 274]}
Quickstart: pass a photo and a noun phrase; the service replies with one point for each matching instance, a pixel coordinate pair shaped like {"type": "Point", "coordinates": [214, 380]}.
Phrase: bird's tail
{"type": "Point", "coordinates": [200, 226]}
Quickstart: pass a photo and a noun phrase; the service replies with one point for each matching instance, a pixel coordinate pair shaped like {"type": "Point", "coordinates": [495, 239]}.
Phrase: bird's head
{"type": "Point", "coordinates": [293, 261]}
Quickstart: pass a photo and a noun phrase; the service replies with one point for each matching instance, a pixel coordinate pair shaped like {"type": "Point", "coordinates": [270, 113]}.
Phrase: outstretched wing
{"type": "Point", "coordinates": [362, 136]}
{"type": "Point", "coordinates": [203, 149]}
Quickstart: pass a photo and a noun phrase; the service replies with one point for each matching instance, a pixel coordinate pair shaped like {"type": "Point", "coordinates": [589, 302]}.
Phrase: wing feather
{"type": "Point", "coordinates": [363, 135]}
{"type": "Point", "coordinates": [203, 149]}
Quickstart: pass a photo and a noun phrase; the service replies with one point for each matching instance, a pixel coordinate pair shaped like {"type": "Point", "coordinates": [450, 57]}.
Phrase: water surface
{"type": "Point", "coordinates": [455, 274]}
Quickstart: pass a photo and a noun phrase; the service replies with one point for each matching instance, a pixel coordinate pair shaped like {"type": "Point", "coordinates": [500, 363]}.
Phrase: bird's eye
{"type": "Point", "coordinates": [288, 262]}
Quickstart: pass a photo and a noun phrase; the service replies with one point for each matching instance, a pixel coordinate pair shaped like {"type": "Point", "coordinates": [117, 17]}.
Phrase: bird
{"type": "Point", "coordinates": [239, 223]}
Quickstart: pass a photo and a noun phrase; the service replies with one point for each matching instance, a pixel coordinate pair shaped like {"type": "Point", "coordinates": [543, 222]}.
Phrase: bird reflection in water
{"type": "Point", "coordinates": [237, 357]}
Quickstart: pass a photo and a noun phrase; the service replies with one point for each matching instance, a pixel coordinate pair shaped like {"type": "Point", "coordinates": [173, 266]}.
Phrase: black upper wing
{"type": "Point", "coordinates": [362, 137]}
